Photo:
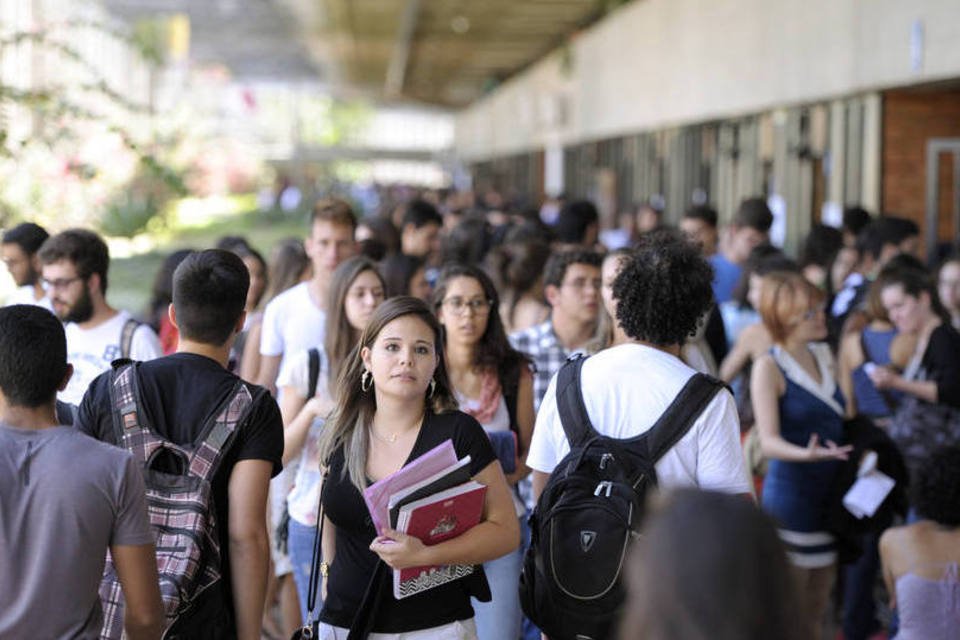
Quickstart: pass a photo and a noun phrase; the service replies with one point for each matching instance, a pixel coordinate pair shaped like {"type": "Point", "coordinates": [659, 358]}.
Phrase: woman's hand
{"type": "Point", "coordinates": [883, 377]}
{"type": "Point", "coordinates": [400, 550]}
{"type": "Point", "coordinates": [817, 452]}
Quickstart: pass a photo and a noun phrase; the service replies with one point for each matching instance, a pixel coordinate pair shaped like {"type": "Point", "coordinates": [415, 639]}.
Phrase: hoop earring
{"type": "Point", "coordinates": [366, 380]}
{"type": "Point", "coordinates": [433, 386]}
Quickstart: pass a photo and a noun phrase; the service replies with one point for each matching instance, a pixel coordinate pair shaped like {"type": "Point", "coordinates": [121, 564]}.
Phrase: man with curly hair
{"type": "Point", "coordinates": [661, 293]}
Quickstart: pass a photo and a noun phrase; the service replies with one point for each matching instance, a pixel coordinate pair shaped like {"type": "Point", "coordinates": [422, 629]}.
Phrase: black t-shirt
{"type": "Point", "coordinates": [941, 362]}
{"type": "Point", "coordinates": [178, 394]}
{"type": "Point", "coordinates": [354, 563]}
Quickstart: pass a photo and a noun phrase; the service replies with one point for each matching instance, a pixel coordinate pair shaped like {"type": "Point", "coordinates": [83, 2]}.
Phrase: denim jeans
{"type": "Point", "coordinates": [500, 618]}
{"type": "Point", "coordinates": [300, 546]}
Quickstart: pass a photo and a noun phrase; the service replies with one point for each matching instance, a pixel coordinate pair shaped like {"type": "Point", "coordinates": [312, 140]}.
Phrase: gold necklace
{"type": "Point", "coordinates": [390, 440]}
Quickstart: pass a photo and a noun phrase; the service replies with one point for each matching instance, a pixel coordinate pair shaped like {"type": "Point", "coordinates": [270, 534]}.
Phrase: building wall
{"type": "Point", "coordinates": [660, 63]}
{"type": "Point", "coordinates": [910, 119]}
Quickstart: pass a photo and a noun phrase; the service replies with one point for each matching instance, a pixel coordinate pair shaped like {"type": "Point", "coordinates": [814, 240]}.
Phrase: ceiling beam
{"type": "Point", "coordinates": [397, 70]}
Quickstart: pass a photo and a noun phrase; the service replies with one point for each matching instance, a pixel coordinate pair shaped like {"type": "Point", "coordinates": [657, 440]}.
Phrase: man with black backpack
{"type": "Point", "coordinates": [613, 425]}
{"type": "Point", "coordinates": [209, 444]}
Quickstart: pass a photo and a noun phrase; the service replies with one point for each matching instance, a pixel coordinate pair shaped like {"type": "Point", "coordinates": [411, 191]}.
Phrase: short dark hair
{"type": "Point", "coordinates": [855, 218]}
{"type": "Point", "coordinates": [209, 295]}
{"type": "Point", "coordinates": [894, 229]}
{"type": "Point", "coordinates": [33, 355]}
{"type": "Point", "coordinates": [754, 213]}
{"type": "Point", "coordinates": [573, 220]}
{"type": "Point", "coordinates": [558, 263]}
{"type": "Point", "coordinates": [27, 235]}
{"type": "Point", "coordinates": [885, 230]}
{"type": "Point", "coordinates": [84, 248]}
{"type": "Point", "coordinates": [821, 245]}
{"type": "Point", "coordinates": [663, 289]}
{"type": "Point", "coordinates": [936, 492]}
{"type": "Point", "coordinates": [704, 213]}
{"type": "Point", "coordinates": [420, 213]}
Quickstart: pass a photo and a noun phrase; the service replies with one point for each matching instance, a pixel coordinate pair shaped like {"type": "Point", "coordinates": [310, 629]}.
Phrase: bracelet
{"type": "Point", "coordinates": [324, 569]}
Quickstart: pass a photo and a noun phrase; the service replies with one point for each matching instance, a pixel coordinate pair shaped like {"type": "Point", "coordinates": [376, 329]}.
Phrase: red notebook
{"type": "Point", "coordinates": [434, 519]}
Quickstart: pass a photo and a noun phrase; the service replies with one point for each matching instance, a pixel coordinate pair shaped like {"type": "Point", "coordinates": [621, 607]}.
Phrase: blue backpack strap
{"type": "Point", "coordinates": [573, 413]}
{"type": "Point", "coordinates": [679, 417]}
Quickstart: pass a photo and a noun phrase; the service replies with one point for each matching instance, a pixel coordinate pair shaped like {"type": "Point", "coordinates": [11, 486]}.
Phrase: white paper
{"type": "Point", "coordinates": [868, 493]}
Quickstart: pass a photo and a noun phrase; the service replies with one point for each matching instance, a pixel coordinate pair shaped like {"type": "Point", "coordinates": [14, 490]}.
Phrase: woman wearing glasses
{"type": "Point", "coordinates": [799, 412]}
{"type": "Point", "coordinates": [493, 383]}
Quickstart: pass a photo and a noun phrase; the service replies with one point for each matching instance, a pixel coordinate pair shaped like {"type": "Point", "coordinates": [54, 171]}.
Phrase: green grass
{"type": "Point", "coordinates": [131, 277]}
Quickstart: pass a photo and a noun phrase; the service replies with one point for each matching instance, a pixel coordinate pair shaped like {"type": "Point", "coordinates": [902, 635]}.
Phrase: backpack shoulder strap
{"type": "Point", "coordinates": [679, 417]}
{"type": "Point", "coordinates": [131, 431]}
{"type": "Point", "coordinates": [313, 363]}
{"type": "Point", "coordinates": [126, 336]}
{"type": "Point", "coordinates": [573, 413]}
{"type": "Point", "coordinates": [218, 434]}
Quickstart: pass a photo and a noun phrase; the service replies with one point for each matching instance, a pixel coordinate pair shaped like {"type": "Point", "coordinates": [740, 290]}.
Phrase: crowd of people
{"type": "Point", "coordinates": [287, 385]}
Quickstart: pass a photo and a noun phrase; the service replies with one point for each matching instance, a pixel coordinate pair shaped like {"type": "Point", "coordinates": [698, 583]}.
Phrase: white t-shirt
{"type": "Point", "coordinates": [91, 351]}
{"type": "Point", "coordinates": [625, 390]}
{"type": "Point", "coordinates": [26, 295]}
{"type": "Point", "coordinates": [291, 323]}
{"type": "Point", "coordinates": [303, 499]}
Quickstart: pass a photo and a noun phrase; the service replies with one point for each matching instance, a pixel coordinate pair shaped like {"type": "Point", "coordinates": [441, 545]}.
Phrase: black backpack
{"type": "Point", "coordinates": [591, 510]}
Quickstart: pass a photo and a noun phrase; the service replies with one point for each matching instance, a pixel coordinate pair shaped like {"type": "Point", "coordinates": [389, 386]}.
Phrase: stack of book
{"type": "Point", "coordinates": [431, 498]}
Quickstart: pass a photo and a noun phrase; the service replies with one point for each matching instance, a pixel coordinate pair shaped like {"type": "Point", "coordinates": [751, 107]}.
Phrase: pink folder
{"type": "Point", "coordinates": [377, 495]}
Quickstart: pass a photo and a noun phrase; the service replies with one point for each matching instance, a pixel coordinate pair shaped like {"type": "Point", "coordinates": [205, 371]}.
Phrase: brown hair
{"type": "Point", "coordinates": [335, 211]}
{"type": "Point", "coordinates": [783, 297]}
{"type": "Point", "coordinates": [347, 427]}
{"type": "Point", "coordinates": [340, 336]}
{"type": "Point", "coordinates": [696, 545]}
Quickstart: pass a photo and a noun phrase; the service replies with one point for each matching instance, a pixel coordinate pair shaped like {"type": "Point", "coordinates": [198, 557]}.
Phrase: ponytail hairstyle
{"type": "Point", "coordinates": [348, 426]}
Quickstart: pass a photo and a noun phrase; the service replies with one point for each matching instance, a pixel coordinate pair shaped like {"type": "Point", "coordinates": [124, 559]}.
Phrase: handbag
{"type": "Point", "coordinates": [363, 621]}
{"type": "Point", "coordinates": [311, 628]}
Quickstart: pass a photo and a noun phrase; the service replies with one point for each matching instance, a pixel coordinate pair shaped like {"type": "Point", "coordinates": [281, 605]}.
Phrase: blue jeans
{"type": "Point", "coordinates": [500, 618]}
{"type": "Point", "coordinates": [300, 547]}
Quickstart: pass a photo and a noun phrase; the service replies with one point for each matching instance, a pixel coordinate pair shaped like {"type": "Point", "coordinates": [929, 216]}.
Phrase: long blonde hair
{"type": "Point", "coordinates": [348, 425]}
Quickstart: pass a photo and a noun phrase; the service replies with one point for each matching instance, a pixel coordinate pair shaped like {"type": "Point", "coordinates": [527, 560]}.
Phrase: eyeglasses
{"type": "Point", "coordinates": [580, 284]}
{"type": "Point", "coordinates": [59, 283]}
{"type": "Point", "coordinates": [459, 306]}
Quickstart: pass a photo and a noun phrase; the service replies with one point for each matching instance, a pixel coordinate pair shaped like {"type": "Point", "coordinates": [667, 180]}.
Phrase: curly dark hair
{"type": "Point", "coordinates": [936, 492]}
{"type": "Point", "coordinates": [663, 290]}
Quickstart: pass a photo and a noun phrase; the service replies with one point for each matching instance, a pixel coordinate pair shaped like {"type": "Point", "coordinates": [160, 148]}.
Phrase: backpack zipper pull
{"type": "Point", "coordinates": [605, 486]}
{"type": "Point", "coordinates": [604, 459]}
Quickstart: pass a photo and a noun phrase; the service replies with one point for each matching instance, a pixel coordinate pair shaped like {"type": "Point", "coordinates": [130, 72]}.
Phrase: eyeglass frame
{"type": "Point", "coordinates": [479, 306]}
{"type": "Point", "coordinates": [59, 283]}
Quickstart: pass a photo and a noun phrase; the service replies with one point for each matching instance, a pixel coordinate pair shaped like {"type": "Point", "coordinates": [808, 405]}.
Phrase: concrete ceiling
{"type": "Point", "coordinates": [441, 52]}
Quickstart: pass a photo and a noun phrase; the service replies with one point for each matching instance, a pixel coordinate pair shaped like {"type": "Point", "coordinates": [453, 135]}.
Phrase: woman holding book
{"type": "Point", "coordinates": [356, 290]}
{"type": "Point", "coordinates": [395, 403]}
{"type": "Point", "coordinates": [494, 384]}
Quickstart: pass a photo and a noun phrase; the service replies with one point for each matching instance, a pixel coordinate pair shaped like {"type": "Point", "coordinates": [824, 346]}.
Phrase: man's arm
{"type": "Point", "coordinates": [249, 546]}
{"type": "Point", "coordinates": [136, 566]}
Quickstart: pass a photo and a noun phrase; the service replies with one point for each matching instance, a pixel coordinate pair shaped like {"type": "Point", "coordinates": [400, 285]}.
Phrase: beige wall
{"type": "Point", "coordinates": [658, 63]}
